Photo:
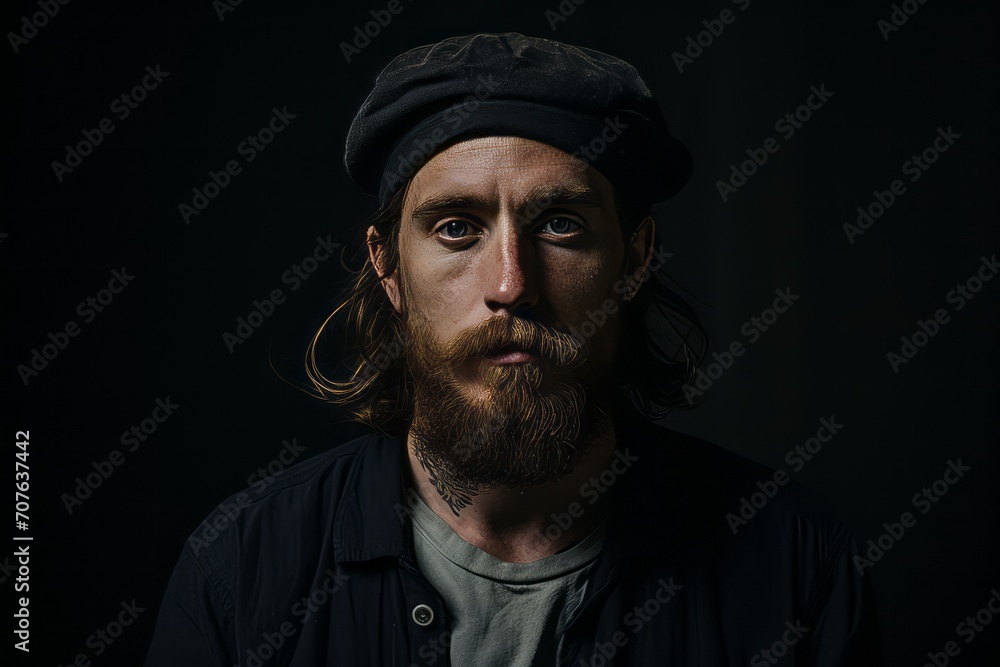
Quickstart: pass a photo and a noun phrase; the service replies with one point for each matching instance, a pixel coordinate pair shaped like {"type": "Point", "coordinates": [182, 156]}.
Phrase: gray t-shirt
{"type": "Point", "coordinates": [503, 614]}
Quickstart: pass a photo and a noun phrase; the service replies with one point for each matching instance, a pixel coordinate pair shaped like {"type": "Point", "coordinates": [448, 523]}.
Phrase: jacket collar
{"type": "Point", "coordinates": [370, 517]}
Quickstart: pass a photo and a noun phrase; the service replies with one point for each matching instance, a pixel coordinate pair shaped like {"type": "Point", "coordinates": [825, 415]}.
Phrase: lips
{"type": "Point", "coordinates": [519, 357]}
{"type": "Point", "coordinates": [512, 354]}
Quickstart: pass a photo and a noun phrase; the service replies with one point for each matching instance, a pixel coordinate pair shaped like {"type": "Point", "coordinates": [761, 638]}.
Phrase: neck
{"type": "Point", "coordinates": [521, 527]}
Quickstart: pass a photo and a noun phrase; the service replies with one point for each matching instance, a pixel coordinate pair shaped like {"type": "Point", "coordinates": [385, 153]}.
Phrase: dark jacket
{"type": "Point", "coordinates": [318, 569]}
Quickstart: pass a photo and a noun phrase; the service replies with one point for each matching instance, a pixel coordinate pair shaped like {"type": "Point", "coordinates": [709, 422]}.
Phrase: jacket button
{"type": "Point", "coordinates": [423, 615]}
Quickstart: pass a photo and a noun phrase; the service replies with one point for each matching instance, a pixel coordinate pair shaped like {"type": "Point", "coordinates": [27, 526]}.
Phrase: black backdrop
{"type": "Point", "coordinates": [161, 337]}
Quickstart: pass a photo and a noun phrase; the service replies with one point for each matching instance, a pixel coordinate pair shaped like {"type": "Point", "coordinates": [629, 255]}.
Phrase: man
{"type": "Point", "coordinates": [514, 505]}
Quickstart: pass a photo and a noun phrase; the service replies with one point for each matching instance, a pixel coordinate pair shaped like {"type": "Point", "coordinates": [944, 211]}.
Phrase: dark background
{"type": "Point", "coordinates": [162, 336]}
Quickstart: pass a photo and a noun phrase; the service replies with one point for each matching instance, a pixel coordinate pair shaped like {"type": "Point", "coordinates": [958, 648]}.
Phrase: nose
{"type": "Point", "coordinates": [511, 271]}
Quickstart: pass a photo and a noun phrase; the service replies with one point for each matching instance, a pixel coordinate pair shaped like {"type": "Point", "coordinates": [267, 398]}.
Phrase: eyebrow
{"type": "Point", "coordinates": [563, 195]}
{"type": "Point", "coordinates": [543, 196]}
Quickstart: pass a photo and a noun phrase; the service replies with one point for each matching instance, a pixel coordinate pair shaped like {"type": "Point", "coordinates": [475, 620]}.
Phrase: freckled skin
{"type": "Point", "coordinates": [512, 267]}
{"type": "Point", "coordinates": [461, 266]}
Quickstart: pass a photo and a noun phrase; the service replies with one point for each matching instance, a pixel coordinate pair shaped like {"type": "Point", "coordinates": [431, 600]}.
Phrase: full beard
{"type": "Point", "coordinates": [523, 425]}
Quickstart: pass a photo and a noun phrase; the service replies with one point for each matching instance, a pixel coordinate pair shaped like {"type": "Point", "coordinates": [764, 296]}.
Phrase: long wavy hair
{"type": "Point", "coordinates": [662, 347]}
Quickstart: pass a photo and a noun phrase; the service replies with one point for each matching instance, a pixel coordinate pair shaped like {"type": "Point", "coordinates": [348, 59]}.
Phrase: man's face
{"type": "Point", "coordinates": [506, 246]}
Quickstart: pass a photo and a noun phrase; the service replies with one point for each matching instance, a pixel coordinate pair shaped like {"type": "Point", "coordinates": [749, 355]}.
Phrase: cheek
{"type": "Point", "coordinates": [578, 291]}
{"type": "Point", "coordinates": [442, 293]}
{"type": "Point", "coordinates": [578, 283]}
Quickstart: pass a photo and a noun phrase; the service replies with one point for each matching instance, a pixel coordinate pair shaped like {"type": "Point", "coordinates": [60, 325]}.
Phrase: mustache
{"type": "Point", "coordinates": [503, 332]}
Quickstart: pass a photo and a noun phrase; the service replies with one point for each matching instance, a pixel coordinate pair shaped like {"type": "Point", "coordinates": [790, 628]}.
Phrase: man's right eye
{"type": "Point", "coordinates": [456, 230]}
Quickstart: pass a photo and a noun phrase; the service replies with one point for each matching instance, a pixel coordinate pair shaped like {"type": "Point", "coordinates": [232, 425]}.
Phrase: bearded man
{"type": "Point", "coordinates": [514, 504]}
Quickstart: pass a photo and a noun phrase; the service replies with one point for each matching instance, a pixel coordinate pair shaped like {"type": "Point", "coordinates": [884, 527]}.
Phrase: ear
{"type": "Point", "coordinates": [376, 253]}
{"type": "Point", "coordinates": [639, 252]}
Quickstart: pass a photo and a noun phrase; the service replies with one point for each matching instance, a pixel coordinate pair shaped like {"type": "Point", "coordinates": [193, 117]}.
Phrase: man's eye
{"type": "Point", "coordinates": [455, 229]}
{"type": "Point", "coordinates": [560, 226]}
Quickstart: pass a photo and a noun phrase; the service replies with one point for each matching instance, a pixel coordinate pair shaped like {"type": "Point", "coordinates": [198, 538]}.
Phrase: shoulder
{"type": "Point", "coordinates": [297, 504]}
{"type": "Point", "coordinates": [724, 503]}
{"type": "Point", "coordinates": [745, 526]}
{"type": "Point", "coordinates": [750, 542]}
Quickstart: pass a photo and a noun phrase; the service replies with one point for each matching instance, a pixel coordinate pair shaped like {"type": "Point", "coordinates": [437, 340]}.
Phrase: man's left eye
{"type": "Point", "coordinates": [560, 226]}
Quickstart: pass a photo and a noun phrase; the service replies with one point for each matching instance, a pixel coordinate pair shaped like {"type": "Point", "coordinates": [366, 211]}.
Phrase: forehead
{"type": "Point", "coordinates": [504, 168]}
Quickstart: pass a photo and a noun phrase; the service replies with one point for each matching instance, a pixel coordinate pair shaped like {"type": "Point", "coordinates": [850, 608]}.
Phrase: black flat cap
{"type": "Point", "coordinates": [584, 102]}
